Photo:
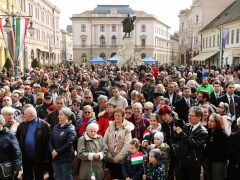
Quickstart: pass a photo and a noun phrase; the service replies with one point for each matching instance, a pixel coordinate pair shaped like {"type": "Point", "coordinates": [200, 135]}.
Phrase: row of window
{"type": "Point", "coordinates": [103, 42]}
{"type": "Point", "coordinates": [160, 31]}
{"type": "Point", "coordinates": [211, 41]}
{"type": "Point", "coordinates": [190, 22]}
{"type": "Point", "coordinates": [114, 28]}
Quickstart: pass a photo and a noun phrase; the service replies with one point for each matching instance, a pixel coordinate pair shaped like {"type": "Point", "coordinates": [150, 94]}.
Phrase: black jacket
{"type": "Point", "coordinates": [62, 140]}
{"type": "Point", "coordinates": [213, 100]}
{"type": "Point", "coordinates": [182, 108]}
{"type": "Point", "coordinates": [42, 110]}
{"type": "Point", "coordinates": [216, 146]}
{"type": "Point", "coordinates": [42, 135]}
{"type": "Point", "coordinates": [191, 146]}
{"type": "Point", "coordinates": [234, 147]}
{"type": "Point", "coordinates": [175, 98]}
{"type": "Point", "coordinates": [9, 149]}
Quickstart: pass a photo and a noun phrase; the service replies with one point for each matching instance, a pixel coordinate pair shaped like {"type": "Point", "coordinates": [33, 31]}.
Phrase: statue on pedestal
{"type": "Point", "coordinates": [128, 25]}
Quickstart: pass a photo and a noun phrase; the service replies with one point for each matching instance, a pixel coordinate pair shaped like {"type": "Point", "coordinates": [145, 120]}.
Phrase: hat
{"type": "Point", "coordinates": [159, 135]}
{"type": "Point", "coordinates": [53, 107]}
{"type": "Point", "coordinates": [47, 95]}
{"type": "Point", "coordinates": [2, 119]}
{"type": "Point", "coordinates": [156, 153]}
{"type": "Point", "coordinates": [55, 85]}
{"type": "Point", "coordinates": [36, 85]}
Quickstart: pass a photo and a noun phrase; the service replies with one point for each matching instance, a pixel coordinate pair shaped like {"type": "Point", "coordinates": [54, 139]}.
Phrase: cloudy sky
{"type": "Point", "coordinates": [166, 10]}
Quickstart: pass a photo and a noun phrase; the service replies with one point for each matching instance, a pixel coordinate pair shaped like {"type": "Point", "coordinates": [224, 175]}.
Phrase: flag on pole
{"type": "Point", "coordinates": [225, 37]}
{"type": "Point", "coordinates": [137, 158]}
{"type": "Point", "coordinates": [21, 30]}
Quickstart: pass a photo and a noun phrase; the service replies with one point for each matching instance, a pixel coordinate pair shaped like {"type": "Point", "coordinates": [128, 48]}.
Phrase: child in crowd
{"type": "Point", "coordinates": [154, 169]}
{"type": "Point", "coordinates": [148, 135]}
{"type": "Point", "coordinates": [165, 151]}
{"type": "Point", "coordinates": [132, 168]}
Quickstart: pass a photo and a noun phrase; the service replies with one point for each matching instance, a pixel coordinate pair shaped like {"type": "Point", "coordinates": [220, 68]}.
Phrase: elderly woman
{"type": "Point", "coordinates": [88, 116]}
{"type": "Point", "coordinates": [9, 148]}
{"type": "Point", "coordinates": [61, 145]}
{"type": "Point", "coordinates": [117, 139]}
{"type": "Point", "coordinates": [8, 114]}
{"type": "Point", "coordinates": [215, 167]}
{"type": "Point", "coordinates": [160, 89]}
{"type": "Point", "coordinates": [148, 109]}
{"type": "Point", "coordinates": [139, 122]}
{"type": "Point", "coordinates": [224, 110]}
{"type": "Point", "coordinates": [91, 151]}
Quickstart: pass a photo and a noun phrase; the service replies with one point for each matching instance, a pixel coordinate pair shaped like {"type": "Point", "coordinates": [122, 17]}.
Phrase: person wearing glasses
{"type": "Point", "coordinates": [61, 144]}
{"type": "Point", "coordinates": [88, 116]}
{"type": "Point", "coordinates": [88, 99]}
{"type": "Point", "coordinates": [224, 110]}
{"type": "Point", "coordinates": [42, 109]}
{"type": "Point", "coordinates": [215, 166]}
{"type": "Point", "coordinates": [76, 103]}
{"type": "Point", "coordinates": [117, 139]}
{"type": "Point", "coordinates": [148, 109]}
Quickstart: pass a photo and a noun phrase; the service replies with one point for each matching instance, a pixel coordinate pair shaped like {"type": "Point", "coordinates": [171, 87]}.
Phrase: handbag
{"type": "Point", "coordinates": [6, 171]}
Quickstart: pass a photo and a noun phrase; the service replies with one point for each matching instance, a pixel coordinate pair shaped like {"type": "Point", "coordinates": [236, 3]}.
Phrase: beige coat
{"type": "Point", "coordinates": [118, 142]}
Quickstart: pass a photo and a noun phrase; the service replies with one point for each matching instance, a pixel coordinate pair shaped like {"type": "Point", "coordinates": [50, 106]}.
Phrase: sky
{"type": "Point", "coordinates": [166, 10]}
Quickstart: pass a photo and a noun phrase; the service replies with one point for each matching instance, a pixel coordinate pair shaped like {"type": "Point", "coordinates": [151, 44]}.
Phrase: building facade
{"type": "Point", "coordinates": [99, 32]}
{"type": "Point", "coordinates": [66, 52]}
{"type": "Point", "coordinates": [44, 45]}
{"type": "Point", "coordinates": [221, 38]}
{"type": "Point", "coordinates": [6, 6]}
{"type": "Point", "coordinates": [192, 20]}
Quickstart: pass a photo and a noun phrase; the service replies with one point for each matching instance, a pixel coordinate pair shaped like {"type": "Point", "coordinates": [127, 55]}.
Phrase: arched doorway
{"type": "Point", "coordinates": [83, 57]}
{"type": "Point", "coordinates": [143, 55]}
{"type": "Point", "coordinates": [32, 54]}
{"type": "Point", "coordinates": [113, 54]}
{"type": "Point", "coordinates": [102, 55]}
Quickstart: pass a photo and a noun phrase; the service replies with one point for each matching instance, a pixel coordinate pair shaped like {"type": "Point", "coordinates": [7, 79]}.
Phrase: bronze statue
{"type": "Point", "coordinates": [128, 25]}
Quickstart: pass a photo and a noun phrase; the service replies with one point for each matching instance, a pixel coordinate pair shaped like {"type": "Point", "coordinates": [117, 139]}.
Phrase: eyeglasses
{"type": "Point", "coordinates": [146, 109]}
{"type": "Point", "coordinates": [220, 107]}
{"type": "Point", "coordinates": [76, 104]}
{"type": "Point", "coordinates": [87, 112]}
{"type": "Point", "coordinates": [87, 97]}
{"type": "Point", "coordinates": [128, 112]}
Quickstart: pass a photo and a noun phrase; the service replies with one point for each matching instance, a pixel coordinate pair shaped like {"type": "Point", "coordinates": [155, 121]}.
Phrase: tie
{"type": "Point", "coordinates": [217, 96]}
{"type": "Point", "coordinates": [232, 107]}
{"type": "Point", "coordinates": [190, 129]}
{"type": "Point", "coordinates": [188, 103]}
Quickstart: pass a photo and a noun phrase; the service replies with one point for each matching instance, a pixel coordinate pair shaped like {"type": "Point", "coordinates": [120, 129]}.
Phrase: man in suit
{"type": "Point", "coordinates": [171, 95]}
{"type": "Point", "coordinates": [193, 136]}
{"type": "Point", "coordinates": [216, 94]}
{"type": "Point", "coordinates": [184, 104]}
{"type": "Point", "coordinates": [232, 100]}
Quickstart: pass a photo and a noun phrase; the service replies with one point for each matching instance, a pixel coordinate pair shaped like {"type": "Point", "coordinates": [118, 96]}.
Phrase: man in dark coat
{"type": "Point", "coordinates": [216, 94]}
{"type": "Point", "coordinates": [33, 135]}
{"type": "Point", "coordinates": [232, 100]}
{"type": "Point", "coordinates": [171, 95]}
{"type": "Point", "coordinates": [193, 136]}
{"type": "Point", "coordinates": [42, 109]}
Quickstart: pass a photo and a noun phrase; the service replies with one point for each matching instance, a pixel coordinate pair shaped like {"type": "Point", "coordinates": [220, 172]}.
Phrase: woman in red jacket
{"type": "Point", "coordinates": [104, 118]}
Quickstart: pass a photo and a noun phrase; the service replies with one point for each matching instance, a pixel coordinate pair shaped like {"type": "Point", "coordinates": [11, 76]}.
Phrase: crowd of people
{"type": "Point", "coordinates": [152, 122]}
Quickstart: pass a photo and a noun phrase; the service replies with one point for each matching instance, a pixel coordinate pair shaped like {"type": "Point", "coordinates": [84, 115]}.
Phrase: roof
{"type": "Point", "coordinates": [231, 13]}
{"type": "Point", "coordinates": [105, 9]}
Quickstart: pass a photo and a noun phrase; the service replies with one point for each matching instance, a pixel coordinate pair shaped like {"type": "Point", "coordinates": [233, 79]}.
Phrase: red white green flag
{"type": "Point", "coordinates": [137, 158]}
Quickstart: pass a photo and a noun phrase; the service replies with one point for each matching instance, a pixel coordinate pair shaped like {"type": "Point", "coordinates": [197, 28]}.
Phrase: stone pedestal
{"type": "Point", "coordinates": [126, 55]}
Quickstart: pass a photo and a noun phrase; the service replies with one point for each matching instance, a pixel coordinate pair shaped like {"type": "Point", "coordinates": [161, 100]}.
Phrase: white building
{"type": "Point", "coordinates": [99, 32]}
{"type": "Point", "coordinates": [192, 20]}
{"type": "Point", "coordinates": [45, 44]}
{"type": "Point", "coordinates": [66, 46]}
{"type": "Point", "coordinates": [221, 38]}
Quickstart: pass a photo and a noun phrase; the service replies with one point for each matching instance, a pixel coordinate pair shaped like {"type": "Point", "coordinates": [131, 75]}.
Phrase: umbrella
{"type": "Point", "coordinates": [149, 60]}
{"type": "Point", "coordinates": [97, 59]}
{"type": "Point", "coordinates": [113, 59]}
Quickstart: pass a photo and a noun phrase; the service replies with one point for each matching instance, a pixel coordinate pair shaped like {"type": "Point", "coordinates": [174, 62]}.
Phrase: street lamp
{"type": "Point", "coordinates": [15, 29]}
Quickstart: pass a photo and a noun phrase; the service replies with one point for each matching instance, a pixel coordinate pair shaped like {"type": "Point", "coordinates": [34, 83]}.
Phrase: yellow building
{"type": "Point", "coordinates": [7, 6]}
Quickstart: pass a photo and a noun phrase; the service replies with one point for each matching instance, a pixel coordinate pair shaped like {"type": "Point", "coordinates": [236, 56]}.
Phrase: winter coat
{"type": "Point", "coordinates": [103, 122]}
{"type": "Point", "coordinates": [118, 144]}
{"type": "Point", "coordinates": [10, 149]}
{"type": "Point", "coordinates": [148, 135]}
{"type": "Point", "coordinates": [87, 147]}
{"type": "Point", "coordinates": [62, 140]}
{"type": "Point", "coordinates": [154, 172]}
{"type": "Point", "coordinates": [134, 172]}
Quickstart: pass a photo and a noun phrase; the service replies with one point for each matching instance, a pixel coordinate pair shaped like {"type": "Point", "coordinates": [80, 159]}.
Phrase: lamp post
{"type": "Point", "coordinates": [14, 33]}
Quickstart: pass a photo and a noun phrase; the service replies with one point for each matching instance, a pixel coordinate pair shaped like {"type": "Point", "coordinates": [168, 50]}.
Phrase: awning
{"type": "Point", "coordinates": [204, 56]}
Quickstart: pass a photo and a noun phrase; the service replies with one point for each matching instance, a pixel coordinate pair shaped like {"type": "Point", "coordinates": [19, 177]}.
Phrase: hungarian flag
{"type": "Point", "coordinates": [137, 158]}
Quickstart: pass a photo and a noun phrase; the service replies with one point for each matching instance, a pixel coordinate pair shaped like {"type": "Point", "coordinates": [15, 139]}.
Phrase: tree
{"type": "Point", "coordinates": [8, 64]}
{"type": "Point", "coordinates": [36, 63]}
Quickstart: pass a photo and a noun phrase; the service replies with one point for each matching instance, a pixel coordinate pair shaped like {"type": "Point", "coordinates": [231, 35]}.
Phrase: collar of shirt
{"type": "Point", "coordinates": [195, 126]}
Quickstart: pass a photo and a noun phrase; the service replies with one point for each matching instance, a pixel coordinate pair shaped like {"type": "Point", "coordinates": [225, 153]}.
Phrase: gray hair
{"type": "Point", "coordinates": [134, 92]}
{"type": "Point", "coordinates": [138, 84]}
{"type": "Point", "coordinates": [102, 98]}
{"type": "Point", "coordinates": [66, 111]}
{"type": "Point", "coordinates": [31, 110]}
{"type": "Point", "coordinates": [197, 110]}
{"type": "Point", "coordinates": [149, 105]}
{"type": "Point", "coordinates": [137, 105]}
{"type": "Point", "coordinates": [92, 126]}
{"type": "Point", "coordinates": [7, 110]}
{"type": "Point", "coordinates": [2, 119]}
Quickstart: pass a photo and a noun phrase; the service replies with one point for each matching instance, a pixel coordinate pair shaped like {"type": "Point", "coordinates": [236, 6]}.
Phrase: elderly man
{"type": "Point", "coordinates": [33, 135]}
{"type": "Point", "coordinates": [193, 136]}
{"type": "Point", "coordinates": [102, 105]}
{"type": "Point", "coordinates": [7, 102]}
{"type": "Point", "coordinates": [117, 100]}
{"type": "Point", "coordinates": [88, 99]}
{"type": "Point", "coordinates": [16, 101]}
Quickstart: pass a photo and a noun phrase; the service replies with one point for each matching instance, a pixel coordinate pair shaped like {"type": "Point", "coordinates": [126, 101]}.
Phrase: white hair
{"type": "Point", "coordinates": [66, 111]}
{"type": "Point", "coordinates": [102, 98]}
{"type": "Point", "coordinates": [2, 119]}
{"type": "Point", "coordinates": [31, 110]}
{"type": "Point", "coordinates": [149, 104]}
{"type": "Point", "coordinates": [7, 110]}
{"type": "Point", "coordinates": [138, 84]}
{"type": "Point", "coordinates": [137, 105]}
{"type": "Point", "coordinates": [92, 126]}
{"type": "Point", "coordinates": [134, 92]}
